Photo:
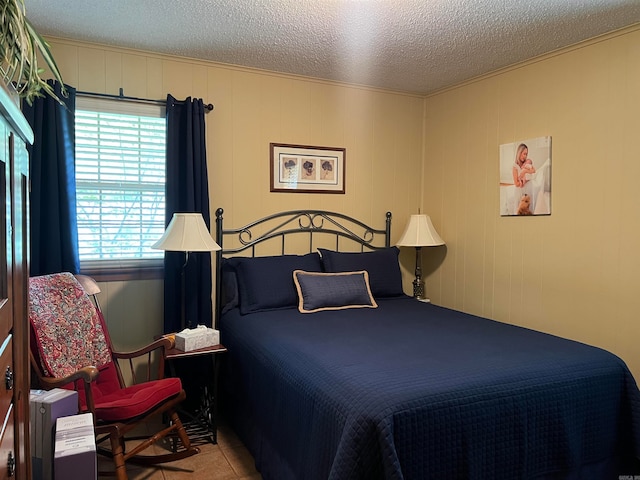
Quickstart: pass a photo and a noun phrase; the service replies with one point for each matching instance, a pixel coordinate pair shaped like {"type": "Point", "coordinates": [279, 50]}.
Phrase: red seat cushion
{"type": "Point", "coordinates": [135, 400]}
{"type": "Point", "coordinates": [116, 403]}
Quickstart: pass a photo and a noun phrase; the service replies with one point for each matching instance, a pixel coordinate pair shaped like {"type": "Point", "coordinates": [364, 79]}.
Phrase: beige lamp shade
{"type": "Point", "coordinates": [420, 233]}
{"type": "Point", "coordinates": [186, 232]}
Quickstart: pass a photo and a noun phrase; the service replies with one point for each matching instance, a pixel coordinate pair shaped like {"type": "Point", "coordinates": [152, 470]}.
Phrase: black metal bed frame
{"type": "Point", "coordinates": [296, 222]}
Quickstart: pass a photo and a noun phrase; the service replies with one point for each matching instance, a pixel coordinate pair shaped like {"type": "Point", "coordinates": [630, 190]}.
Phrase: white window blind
{"type": "Point", "coordinates": [120, 179]}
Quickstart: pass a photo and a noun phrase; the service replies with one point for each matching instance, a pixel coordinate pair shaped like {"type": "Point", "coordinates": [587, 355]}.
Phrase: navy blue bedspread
{"type": "Point", "coordinates": [416, 391]}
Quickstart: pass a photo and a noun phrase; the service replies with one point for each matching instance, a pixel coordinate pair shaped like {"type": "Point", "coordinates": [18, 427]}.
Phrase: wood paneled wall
{"type": "Point", "coordinates": [381, 131]}
{"type": "Point", "coordinates": [572, 273]}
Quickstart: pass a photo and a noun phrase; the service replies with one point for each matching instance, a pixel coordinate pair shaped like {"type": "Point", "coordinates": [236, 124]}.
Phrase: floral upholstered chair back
{"type": "Point", "coordinates": [66, 326]}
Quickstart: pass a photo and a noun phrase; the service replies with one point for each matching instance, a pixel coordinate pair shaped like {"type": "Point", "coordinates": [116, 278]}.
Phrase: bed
{"type": "Point", "coordinates": [333, 372]}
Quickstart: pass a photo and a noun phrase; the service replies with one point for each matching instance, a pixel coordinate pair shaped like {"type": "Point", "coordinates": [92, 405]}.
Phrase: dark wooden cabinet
{"type": "Point", "coordinates": [15, 133]}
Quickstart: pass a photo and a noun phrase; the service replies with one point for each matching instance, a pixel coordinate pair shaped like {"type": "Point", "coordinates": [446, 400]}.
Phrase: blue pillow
{"type": "Point", "coordinates": [266, 283]}
{"type": "Point", "coordinates": [229, 287]}
{"type": "Point", "coordinates": [383, 267]}
{"type": "Point", "coordinates": [332, 291]}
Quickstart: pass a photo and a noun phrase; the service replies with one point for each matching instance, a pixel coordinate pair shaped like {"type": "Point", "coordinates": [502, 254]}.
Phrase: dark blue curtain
{"type": "Point", "coordinates": [53, 222]}
{"type": "Point", "coordinates": [187, 191]}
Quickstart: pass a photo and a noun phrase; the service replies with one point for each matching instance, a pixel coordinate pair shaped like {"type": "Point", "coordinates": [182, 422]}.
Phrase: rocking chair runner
{"type": "Point", "coordinates": [71, 348]}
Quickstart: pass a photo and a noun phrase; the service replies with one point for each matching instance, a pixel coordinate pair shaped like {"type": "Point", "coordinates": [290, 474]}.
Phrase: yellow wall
{"type": "Point", "coordinates": [574, 273]}
{"type": "Point", "coordinates": [571, 273]}
{"type": "Point", "coordinates": [381, 131]}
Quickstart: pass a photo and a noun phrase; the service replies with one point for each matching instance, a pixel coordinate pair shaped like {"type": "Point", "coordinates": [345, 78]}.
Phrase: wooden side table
{"type": "Point", "coordinates": [201, 425]}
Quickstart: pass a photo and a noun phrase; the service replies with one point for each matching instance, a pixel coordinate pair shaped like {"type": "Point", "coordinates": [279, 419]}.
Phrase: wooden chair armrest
{"type": "Point", "coordinates": [86, 374]}
{"type": "Point", "coordinates": [163, 344]}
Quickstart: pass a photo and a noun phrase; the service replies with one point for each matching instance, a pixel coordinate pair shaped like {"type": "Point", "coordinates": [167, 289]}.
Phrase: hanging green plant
{"type": "Point", "coordinates": [19, 48]}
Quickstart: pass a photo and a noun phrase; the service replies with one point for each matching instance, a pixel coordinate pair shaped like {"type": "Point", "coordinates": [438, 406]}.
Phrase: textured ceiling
{"type": "Point", "coordinates": [408, 45]}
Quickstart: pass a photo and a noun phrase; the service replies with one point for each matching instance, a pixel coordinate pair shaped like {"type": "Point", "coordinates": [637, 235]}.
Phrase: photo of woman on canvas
{"type": "Point", "coordinates": [523, 166]}
{"type": "Point", "coordinates": [525, 177]}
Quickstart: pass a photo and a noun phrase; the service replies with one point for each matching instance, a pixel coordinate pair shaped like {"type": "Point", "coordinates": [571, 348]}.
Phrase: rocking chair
{"type": "Point", "coordinates": [71, 348]}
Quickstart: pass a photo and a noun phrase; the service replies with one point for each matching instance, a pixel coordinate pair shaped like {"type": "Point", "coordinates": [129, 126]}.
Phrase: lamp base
{"type": "Point", "coordinates": [418, 288]}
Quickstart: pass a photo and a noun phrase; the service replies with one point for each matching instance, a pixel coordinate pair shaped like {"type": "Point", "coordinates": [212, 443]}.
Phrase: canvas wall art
{"type": "Point", "coordinates": [525, 177]}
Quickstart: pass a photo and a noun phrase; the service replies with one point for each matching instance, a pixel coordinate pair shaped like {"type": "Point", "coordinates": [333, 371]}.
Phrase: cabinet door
{"type": "Point", "coordinates": [15, 457]}
{"type": "Point", "coordinates": [19, 287]}
{"type": "Point", "coordinates": [7, 437]}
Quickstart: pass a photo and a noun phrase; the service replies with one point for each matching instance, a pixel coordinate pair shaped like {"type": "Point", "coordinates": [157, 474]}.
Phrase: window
{"type": "Point", "coordinates": [120, 182]}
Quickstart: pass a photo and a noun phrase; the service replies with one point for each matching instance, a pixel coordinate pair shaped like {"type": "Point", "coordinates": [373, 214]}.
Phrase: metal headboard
{"type": "Point", "coordinates": [284, 225]}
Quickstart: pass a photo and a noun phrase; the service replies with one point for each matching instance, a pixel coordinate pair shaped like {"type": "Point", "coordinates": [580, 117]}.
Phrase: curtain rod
{"type": "Point", "coordinates": [207, 106]}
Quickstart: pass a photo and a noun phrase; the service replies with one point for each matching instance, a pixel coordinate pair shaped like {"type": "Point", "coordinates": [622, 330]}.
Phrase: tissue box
{"type": "Point", "coordinates": [195, 338]}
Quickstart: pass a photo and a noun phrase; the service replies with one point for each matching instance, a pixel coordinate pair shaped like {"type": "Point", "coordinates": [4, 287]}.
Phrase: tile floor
{"type": "Point", "coordinates": [227, 460]}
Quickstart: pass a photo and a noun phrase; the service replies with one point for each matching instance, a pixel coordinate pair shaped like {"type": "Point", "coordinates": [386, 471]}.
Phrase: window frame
{"type": "Point", "coordinates": [123, 268]}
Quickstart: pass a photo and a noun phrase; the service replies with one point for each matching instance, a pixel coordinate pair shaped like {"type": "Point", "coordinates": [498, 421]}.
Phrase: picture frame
{"type": "Point", "coordinates": [307, 169]}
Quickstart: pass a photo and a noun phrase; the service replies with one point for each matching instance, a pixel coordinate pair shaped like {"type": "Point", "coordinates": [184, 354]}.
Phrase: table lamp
{"type": "Point", "coordinates": [186, 233]}
{"type": "Point", "coordinates": [419, 233]}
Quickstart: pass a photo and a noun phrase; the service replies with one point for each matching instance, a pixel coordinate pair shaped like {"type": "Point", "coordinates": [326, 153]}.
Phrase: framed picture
{"type": "Point", "coordinates": [525, 177]}
{"type": "Point", "coordinates": [307, 169]}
